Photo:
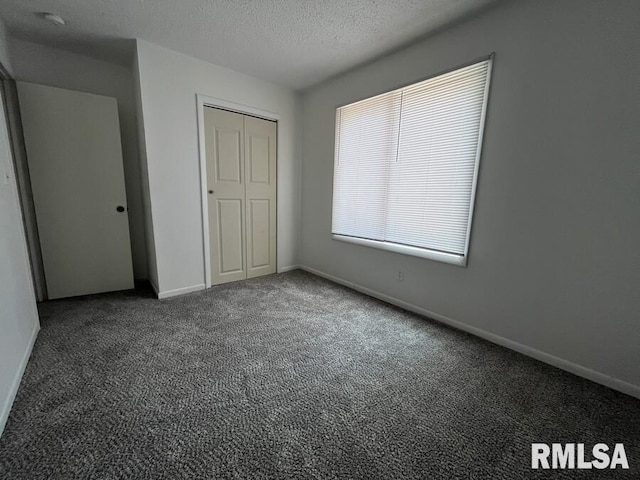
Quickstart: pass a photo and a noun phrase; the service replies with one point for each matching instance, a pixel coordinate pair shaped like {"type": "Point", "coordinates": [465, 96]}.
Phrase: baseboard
{"type": "Point", "coordinates": [8, 403]}
{"type": "Point", "coordinates": [179, 291]}
{"type": "Point", "coordinates": [594, 376]}
{"type": "Point", "coordinates": [288, 269]}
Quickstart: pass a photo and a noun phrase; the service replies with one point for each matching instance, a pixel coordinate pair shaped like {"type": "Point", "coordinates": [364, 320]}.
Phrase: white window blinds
{"type": "Point", "coordinates": [406, 163]}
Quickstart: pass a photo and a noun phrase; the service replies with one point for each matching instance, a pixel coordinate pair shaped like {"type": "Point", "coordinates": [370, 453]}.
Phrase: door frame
{"type": "Point", "coordinates": [203, 101]}
{"type": "Point", "coordinates": [13, 119]}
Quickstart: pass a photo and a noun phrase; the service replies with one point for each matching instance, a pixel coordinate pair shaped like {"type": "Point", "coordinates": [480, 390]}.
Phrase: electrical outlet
{"type": "Point", "coordinates": [400, 275]}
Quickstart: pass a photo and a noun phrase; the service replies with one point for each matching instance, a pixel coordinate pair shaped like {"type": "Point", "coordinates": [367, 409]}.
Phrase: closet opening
{"type": "Point", "coordinates": [238, 157]}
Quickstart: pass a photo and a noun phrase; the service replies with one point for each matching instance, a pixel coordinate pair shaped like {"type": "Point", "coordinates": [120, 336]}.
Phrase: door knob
{"type": "Point", "coordinates": [120, 208]}
{"type": "Point", "coordinates": [210, 191]}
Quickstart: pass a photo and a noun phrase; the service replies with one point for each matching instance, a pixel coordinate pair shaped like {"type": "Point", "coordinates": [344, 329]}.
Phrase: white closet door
{"type": "Point", "coordinates": [241, 184]}
{"type": "Point", "coordinates": [260, 168]}
{"type": "Point", "coordinates": [75, 164]}
{"type": "Point", "coordinates": [224, 144]}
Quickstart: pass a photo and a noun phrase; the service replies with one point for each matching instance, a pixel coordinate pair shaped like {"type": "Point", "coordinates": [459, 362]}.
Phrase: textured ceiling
{"type": "Point", "coordinates": [296, 43]}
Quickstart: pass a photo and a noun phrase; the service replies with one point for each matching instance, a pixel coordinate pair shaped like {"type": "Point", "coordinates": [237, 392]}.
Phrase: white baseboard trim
{"type": "Point", "coordinates": [8, 402]}
{"type": "Point", "coordinates": [288, 269]}
{"type": "Point", "coordinates": [594, 376]}
{"type": "Point", "coordinates": [179, 291]}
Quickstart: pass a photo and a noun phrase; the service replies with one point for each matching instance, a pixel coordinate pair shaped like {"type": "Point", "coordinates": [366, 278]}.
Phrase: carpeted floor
{"type": "Point", "coordinates": [289, 376]}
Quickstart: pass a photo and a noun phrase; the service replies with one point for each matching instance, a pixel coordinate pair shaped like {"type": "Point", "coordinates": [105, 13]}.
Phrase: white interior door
{"type": "Point", "coordinates": [75, 164]}
{"type": "Point", "coordinates": [241, 183]}
{"type": "Point", "coordinates": [224, 144]}
{"type": "Point", "coordinates": [260, 165]}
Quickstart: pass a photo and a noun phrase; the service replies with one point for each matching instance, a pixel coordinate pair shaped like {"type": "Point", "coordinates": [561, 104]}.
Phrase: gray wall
{"type": "Point", "coordinates": [554, 264]}
{"type": "Point", "coordinates": [18, 315]}
{"type": "Point", "coordinates": [41, 64]}
{"type": "Point", "coordinates": [4, 48]}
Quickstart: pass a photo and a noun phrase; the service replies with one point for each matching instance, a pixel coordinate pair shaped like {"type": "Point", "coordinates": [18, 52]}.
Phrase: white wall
{"type": "Point", "coordinates": [152, 267]}
{"type": "Point", "coordinates": [169, 83]}
{"type": "Point", "coordinates": [41, 64]}
{"type": "Point", "coordinates": [554, 262]}
{"type": "Point", "coordinates": [18, 314]}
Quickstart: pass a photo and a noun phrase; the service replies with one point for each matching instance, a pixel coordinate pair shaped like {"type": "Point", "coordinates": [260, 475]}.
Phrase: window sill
{"type": "Point", "coordinates": [459, 260]}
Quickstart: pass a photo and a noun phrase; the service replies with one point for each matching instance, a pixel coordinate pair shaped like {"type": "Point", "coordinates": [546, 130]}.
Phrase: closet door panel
{"type": "Point", "coordinates": [260, 150]}
{"type": "Point", "coordinates": [260, 236]}
{"type": "Point", "coordinates": [224, 144]}
{"type": "Point", "coordinates": [230, 232]}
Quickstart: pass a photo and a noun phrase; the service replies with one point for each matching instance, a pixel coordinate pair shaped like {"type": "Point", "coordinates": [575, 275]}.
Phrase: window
{"type": "Point", "coordinates": [406, 164]}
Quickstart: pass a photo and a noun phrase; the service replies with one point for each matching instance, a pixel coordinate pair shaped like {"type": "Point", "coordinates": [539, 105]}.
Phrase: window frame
{"type": "Point", "coordinates": [430, 254]}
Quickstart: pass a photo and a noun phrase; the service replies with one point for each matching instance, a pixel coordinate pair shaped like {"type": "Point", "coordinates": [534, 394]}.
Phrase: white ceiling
{"type": "Point", "coordinates": [296, 43]}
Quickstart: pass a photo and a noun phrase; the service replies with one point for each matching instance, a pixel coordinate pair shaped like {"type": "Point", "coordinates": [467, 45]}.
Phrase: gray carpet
{"type": "Point", "coordinates": [289, 376]}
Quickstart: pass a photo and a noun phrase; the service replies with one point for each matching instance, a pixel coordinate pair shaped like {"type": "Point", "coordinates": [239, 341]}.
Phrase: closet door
{"type": "Point", "coordinates": [241, 184]}
{"type": "Point", "coordinates": [260, 168]}
{"type": "Point", "coordinates": [224, 146]}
